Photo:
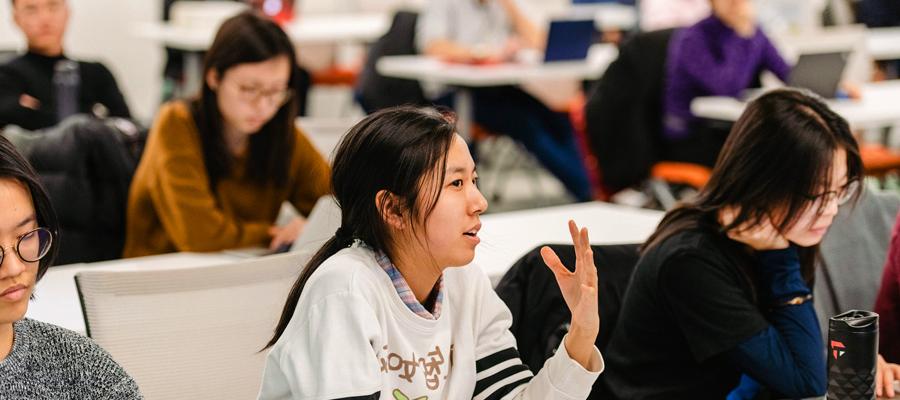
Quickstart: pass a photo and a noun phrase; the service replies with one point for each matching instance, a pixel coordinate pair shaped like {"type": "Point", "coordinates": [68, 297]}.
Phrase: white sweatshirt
{"type": "Point", "coordinates": [351, 335]}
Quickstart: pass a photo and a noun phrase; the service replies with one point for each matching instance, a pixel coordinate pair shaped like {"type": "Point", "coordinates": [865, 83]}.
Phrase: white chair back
{"type": "Point", "coordinates": [189, 333]}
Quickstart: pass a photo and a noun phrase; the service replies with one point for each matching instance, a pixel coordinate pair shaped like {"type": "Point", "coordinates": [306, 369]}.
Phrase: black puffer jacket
{"type": "Point", "coordinates": [540, 314]}
{"type": "Point", "coordinates": [86, 165]}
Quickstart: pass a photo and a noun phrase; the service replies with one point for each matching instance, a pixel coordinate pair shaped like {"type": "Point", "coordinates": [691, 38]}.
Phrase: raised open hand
{"type": "Point", "coordinates": [579, 289]}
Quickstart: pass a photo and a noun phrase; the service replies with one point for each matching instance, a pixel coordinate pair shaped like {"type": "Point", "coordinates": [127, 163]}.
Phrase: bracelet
{"type": "Point", "coordinates": [796, 301]}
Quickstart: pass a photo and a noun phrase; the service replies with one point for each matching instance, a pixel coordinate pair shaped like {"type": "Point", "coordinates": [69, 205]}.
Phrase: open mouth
{"type": "Point", "coordinates": [473, 232]}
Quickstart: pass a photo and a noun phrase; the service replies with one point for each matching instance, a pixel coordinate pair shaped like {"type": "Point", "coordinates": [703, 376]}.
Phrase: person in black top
{"type": "Point", "coordinates": [721, 294]}
{"type": "Point", "coordinates": [29, 84]}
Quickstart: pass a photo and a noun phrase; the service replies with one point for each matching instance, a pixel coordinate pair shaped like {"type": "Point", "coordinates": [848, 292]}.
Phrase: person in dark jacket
{"type": "Point", "coordinates": [492, 31]}
{"type": "Point", "coordinates": [30, 94]}
{"type": "Point", "coordinates": [624, 111]}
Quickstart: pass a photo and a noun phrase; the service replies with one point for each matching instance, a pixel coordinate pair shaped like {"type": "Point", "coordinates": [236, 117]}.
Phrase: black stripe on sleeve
{"type": "Point", "coordinates": [487, 381]}
{"type": "Point", "coordinates": [503, 391]}
{"type": "Point", "coordinates": [489, 361]}
{"type": "Point", "coordinates": [373, 396]}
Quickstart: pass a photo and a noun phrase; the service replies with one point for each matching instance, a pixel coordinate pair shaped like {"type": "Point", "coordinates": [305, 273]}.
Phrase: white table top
{"type": "Point", "coordinates": [434, 71]}
{"type": "Point", "coordinates": [56, 298]}
{"type": "Point", "coordinates": [505, 238]}
{"type": "Point", "coordinates": [307, 29]}
{"type": "Point", "coordinates": [312, 29]}
{"type": "Point", "coordinates": [883, 43]}
{"type": "Point", "coordinates": [879, 106]}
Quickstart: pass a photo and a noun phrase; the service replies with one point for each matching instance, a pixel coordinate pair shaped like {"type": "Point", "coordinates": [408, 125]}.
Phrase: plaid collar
{"type": "Point", "coordinates": [406, 293]}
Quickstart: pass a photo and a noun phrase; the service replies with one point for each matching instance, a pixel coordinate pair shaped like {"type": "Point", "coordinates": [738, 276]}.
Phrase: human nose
{"type": "Point", "coordinates": [10, 265]}
{"type": "Point", "coordinates": [478, 201]}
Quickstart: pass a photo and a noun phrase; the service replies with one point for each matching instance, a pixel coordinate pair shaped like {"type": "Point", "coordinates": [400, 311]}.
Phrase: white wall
{"type": "Point", "coordinates": [101, 30]}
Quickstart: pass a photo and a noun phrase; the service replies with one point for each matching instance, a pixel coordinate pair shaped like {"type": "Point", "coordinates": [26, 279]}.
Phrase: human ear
{"type": "Point", "coordinates": [212, 79]}
{"type": "Point", "coordinates": [388, 205]}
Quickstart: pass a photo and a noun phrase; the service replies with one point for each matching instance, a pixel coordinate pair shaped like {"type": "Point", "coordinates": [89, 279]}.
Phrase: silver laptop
{"type": "Point", "coordinates": [323, 220]}
{"type": "Point", "coordinates": [819, 72]}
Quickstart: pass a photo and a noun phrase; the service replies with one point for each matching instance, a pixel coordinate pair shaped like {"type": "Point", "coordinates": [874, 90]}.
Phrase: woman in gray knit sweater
{"type": "Point", "coordinates": [39, 360]}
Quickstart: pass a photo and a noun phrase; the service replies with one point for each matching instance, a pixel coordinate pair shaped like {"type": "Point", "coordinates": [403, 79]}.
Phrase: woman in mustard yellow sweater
{"type": "Point", "coordinates": [216, 170]}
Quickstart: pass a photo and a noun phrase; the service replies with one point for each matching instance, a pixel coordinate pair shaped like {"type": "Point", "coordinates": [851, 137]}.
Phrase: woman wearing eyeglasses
{"type": "Point", "coordinates": [39, 360]}
{"type": "Point", "coordinates": [216, 170]}
{"type": "Point", "coordinates": [722, 289]}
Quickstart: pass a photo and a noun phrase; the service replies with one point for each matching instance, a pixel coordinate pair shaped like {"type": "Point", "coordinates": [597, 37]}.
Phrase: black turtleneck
{"type": "Point", "coordinates": [32, 74]}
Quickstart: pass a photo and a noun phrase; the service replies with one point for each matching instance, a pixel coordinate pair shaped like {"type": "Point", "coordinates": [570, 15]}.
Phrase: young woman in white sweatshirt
{"type": "Point", "coordinates": [389, 307]}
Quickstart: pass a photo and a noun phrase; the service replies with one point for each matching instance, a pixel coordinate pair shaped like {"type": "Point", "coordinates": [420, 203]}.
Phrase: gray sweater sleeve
{"type": "Point", "coordinates": [50, 362]}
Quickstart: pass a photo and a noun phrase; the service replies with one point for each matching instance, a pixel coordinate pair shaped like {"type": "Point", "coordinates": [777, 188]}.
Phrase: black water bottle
{"type": "Point", "coordinates": [67, 83]}
{"type": "Point", "coordinates": [852, 355]}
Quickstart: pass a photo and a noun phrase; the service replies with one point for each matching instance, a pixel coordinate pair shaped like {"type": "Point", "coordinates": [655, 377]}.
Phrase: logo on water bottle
{"type": "Point", "coordinates": [836, 349]}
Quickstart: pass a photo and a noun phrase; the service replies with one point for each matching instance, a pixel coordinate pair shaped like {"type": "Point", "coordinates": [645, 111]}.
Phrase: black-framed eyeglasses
{"type": "Point", "coordinates": [31, 246]}
{"type": "Point", "coordinates": [842, 195]}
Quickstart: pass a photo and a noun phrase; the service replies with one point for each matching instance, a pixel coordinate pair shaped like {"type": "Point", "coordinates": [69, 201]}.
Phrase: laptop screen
{"type": "Point", "coordinates": [820, 72]}
{"type": "Point", "coordinates": [569, 40]}
{"type": "Point", "coordinates": [323, 220]}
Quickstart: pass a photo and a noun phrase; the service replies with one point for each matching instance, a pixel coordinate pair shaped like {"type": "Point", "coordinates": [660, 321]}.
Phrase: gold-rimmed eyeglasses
{"type": "Point", "coordinates": [31, 246]}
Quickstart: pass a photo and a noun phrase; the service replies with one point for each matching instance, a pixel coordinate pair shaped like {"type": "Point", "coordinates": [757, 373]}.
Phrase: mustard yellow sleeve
{"type": "Point", "coordinates": [183, 197]}
{"type": "Point", "coordinates": [313, 175]}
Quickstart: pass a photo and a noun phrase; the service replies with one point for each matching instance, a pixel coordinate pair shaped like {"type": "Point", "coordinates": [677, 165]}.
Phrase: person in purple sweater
{"type": "Point", "coordinates": [721, 55]}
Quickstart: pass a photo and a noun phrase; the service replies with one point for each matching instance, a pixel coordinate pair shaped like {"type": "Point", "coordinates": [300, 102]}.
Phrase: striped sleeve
{"type": "Point", "coordinates": [500, 372]}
